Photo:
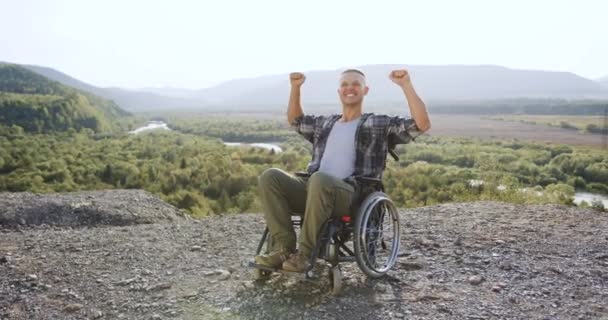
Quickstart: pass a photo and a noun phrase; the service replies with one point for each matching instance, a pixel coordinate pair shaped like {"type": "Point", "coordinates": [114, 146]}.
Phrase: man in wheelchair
{"type": "Point", "coordinates": [346, 147]}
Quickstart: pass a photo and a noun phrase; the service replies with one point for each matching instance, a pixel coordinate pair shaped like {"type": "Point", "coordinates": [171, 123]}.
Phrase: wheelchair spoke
{"type": "Point", "coordinates": [378, 234]}
{"type": "Point", "coordinates": [377, 240]}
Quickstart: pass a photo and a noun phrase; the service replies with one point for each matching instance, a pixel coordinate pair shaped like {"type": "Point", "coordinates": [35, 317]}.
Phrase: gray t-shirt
{"type": "Point", "coordinates": [339, 156]}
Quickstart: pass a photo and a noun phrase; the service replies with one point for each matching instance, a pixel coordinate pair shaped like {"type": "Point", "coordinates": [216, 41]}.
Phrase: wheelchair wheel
{"type": "Point", "coordinates": [332, 255]}
{"type": "Point", "coordinates": [335, 280]}
{"type": "Point", "coordinates": [261, 275]}
{"type": "Point", "coordinates": [376, 239]}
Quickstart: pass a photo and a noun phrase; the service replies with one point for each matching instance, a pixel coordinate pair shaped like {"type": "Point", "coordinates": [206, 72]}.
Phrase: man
{"type": "Point", "coordinates": [344, 146]}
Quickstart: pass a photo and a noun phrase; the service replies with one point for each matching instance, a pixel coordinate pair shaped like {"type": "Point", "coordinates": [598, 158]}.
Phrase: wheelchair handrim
{"type": "Point", "coordinates": [394, 246]}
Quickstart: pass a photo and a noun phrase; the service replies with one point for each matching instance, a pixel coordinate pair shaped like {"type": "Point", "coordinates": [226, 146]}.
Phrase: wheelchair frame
{"type": "Point", "coordinates": [335, 233]}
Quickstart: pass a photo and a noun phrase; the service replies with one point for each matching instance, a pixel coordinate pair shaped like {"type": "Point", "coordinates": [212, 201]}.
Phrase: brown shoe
{"type": "Point", "coordinates": [274, 259]}
{"type": "Point", "coordinates": [297, 262]}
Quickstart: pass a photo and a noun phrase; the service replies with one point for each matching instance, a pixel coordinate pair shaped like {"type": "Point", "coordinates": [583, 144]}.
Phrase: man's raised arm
{"type": "Point", "coordinates": [294, 110]}
{"type": "Point", "coordinates": [417, 107]}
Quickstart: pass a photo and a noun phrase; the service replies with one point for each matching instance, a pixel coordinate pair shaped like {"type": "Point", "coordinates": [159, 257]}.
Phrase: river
{"type": "Point", "coordinates": [153, 125]}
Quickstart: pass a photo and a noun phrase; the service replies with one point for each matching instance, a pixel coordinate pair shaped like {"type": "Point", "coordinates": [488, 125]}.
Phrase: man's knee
{"type": "Point", "coordinates": [270, 176]}
{"type": "Point", "coordinates": [320, 181]}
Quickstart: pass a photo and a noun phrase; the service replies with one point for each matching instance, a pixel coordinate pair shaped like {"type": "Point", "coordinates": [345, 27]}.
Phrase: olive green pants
{"type": "Point", "coordinates": [318, 197]}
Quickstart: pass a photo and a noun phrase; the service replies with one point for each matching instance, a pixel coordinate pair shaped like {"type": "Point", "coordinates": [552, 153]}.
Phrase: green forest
{"type": "Point", "coordinates": [195, 171]}
{"type": "Point", "coordinates": [40, 105]}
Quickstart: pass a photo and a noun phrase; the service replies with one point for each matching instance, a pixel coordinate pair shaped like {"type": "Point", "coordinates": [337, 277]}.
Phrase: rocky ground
{"type": "Point", "coordinates": [127, 255]}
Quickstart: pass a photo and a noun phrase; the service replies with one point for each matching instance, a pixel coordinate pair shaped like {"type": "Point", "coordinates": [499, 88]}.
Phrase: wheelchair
{"type": "Point", "coordinates": [368, 236]}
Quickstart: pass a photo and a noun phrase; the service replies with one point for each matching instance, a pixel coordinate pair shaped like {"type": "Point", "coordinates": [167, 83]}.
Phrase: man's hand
{"type": "Point", "coordinates": [400, 77]}
{"type": "Point", "coordinates": [296, 79]}
{"type": "Point", "coordinates": [294, 109]}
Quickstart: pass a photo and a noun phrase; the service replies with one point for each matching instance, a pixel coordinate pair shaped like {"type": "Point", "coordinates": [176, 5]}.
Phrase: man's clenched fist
{"type": "Point", "coordinates": [400, 77]}
{"type": "Point", "coordinates": [296, 78]}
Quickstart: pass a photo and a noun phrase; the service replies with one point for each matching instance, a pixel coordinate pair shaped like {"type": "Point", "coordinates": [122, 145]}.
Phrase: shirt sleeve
{"type": "Point", "coordinates": [306, 125]}
{"type": "Point", "coordinates": [402, 130]}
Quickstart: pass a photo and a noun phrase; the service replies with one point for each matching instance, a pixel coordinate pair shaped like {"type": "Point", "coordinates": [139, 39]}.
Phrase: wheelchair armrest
{"type": "Point", "coordinates": [302, 174]}
{"type": "Point", "coordinates": [392, 144]}
{"type": "Point", "coordinates": [367, 179]}
{"type": "Point", "coordinates": [393, 154]}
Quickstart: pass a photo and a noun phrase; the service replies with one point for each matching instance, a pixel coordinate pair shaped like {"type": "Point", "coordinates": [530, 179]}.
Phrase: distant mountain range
{"type": "Point", "coordinates": [433, 83]}
{"type": "Point", "coordinates": [132, 100]}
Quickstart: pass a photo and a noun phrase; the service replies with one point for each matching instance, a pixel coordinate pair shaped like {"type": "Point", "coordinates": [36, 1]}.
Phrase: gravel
{"type": "Point", "coordinates": [128, 255]}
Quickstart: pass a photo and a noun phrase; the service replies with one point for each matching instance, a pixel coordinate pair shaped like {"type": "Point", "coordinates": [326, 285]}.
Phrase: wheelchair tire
{"type": "Point", "coordinates": [376, 221]}
{"type": "Point", "coordinates": [261, 275]}
{"type": "Point", "coordinates": [332, 255]}
{"type": "Point", "coordinates": [335, 280]}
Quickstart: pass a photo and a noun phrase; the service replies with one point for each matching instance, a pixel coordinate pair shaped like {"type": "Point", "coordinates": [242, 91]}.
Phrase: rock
{"type": "Point", "coordinates": [602, 256]}
{"type": "Point", "coordinates": [126, 282]}
{"type": "Point", "coordinates": [159, 286]}
{"type": "Point", "coordinates": [506, 266]}
{"type": "Point", "coordinates": [410, 265]}
{"type": "Point", "coordinates": [3, 259]}
{"type": "Point", "coordinates": [96, 314]}
{"type": "Point", "coordinates": [223, 274]}
{"type": "Point", "coordinates": [428, 297]}
{"type": "Point", "coordinates": [476, 280]}
{"type": "Point", "coordinates": [31, 277]}
{"type": "Point", "coordinates": [555, 270]}
{"type": "Point", "coordinates": [189, 294]}
{"type": "Point", "coordinates": [196, 248]}
{"type": "Point", "coordinates": [248, 285]}
{"type": "Point", "coordinates": [73, 307]}
{"type": "Point", "coordinates": [380, 287]}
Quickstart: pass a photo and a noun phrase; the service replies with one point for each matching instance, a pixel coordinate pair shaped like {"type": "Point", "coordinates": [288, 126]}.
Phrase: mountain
{"type": "Point", "coordinates": [171, 92]}
{"type": "Point", "coordinates": [38, 104]}
{"type": "Point", "coordinates": [447, 82]}
{"type": "Point", "coordinates": [603, 80]}
{"type": "Point", "coordinates": [438, 83]}
{"type": "Point", "coordinates": [132, 100]}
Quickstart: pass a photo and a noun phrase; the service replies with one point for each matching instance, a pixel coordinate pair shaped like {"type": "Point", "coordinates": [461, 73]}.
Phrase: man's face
{"type": "Point", "coordinates": [352, 88]}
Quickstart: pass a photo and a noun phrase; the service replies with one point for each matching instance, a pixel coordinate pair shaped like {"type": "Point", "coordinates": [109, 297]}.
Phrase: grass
{"type": "Point", "coordinates": [580, 123]}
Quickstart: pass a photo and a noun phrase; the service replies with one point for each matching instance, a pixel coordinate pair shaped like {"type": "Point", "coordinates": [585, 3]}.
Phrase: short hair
{"type": "Point", "coordinates": [353, 70]}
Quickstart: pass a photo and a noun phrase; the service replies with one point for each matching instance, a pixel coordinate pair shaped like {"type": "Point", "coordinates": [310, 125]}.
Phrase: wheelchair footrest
{"type": "Point", "coordinates": [261, 267]}
{"type": "Point", "coordinates": [276, 270]}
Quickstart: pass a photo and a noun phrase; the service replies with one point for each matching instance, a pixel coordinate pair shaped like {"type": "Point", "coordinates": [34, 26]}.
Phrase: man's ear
{"type": "Point", "coordinates": [366, 90]}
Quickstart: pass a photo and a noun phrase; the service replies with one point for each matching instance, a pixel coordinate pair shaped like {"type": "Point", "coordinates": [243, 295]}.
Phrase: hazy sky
{"type": "Point", "coordinates": [196, 44]}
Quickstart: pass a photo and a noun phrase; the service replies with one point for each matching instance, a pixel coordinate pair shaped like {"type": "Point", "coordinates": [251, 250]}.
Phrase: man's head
{"type": "Point", "coordinates": [352, 87]}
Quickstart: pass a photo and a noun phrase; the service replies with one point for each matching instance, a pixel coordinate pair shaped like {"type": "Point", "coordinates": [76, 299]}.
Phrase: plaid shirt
{"type": "Point", "coordinates": [372, 138]}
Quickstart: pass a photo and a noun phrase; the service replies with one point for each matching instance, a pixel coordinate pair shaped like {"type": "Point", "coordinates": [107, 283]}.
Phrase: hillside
{"type": "Point", "coordinates": [603, 81]}
{"type": "Point", "coordinates": [38, 104]}
{"type": "Point", "coordinates": [479, 260]}
{"type": "Point", "coordinates": [132, 100]}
